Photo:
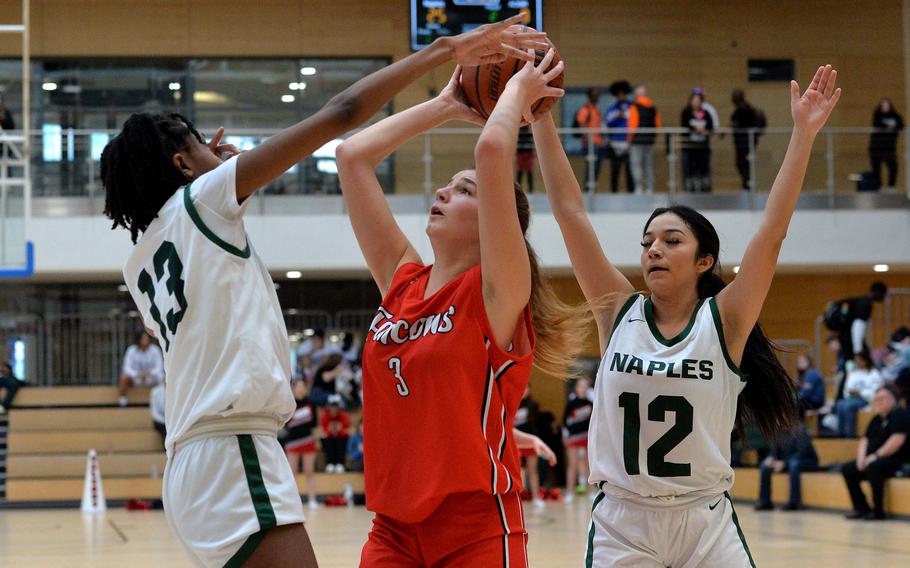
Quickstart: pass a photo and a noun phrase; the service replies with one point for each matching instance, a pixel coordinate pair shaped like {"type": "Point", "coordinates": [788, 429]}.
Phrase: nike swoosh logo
{"type": "Point", "coordinates": [716, 504]}
{"type": "Point", "coordinates": [634, 320]}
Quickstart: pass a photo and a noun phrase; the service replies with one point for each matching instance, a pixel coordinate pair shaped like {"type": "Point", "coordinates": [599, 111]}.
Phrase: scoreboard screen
{"type": "Point", "coordinates": [431, 19]}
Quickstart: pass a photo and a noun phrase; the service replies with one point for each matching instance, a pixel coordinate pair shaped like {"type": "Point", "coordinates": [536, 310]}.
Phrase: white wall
{"type": "Point", "coordinates": [323, 245]}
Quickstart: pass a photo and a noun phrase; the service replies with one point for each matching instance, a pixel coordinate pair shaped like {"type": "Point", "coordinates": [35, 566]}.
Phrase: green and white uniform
{"type": "Point", "coordinates": [211, 303]}
{"type": "Point", "coordinates": [659, 445]}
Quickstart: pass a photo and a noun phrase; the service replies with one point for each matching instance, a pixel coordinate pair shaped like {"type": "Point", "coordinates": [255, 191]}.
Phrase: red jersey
{"type": "Point", "coordinates": [334, 427]}
{"type": "Point", "coordinates": [440, 396]}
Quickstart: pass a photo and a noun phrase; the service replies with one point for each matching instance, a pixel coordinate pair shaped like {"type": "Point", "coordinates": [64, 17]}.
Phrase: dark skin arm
{"type": "Point", "coordinates": [356, 104]}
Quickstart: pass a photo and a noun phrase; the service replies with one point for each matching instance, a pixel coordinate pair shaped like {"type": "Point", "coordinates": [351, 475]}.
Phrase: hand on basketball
{"type": "Point", "coordinates": [456, 105]}
{"type": "Point", "coordinates": [811, 110]}
{"type": "Point", "coordinates": [220, 149]}
{"type": "Point", "coordinates": [492, 43]}
{"type": "Point", "coordinates": [533, 82]}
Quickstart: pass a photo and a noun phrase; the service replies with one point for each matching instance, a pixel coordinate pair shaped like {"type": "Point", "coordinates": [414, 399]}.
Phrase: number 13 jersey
{"type": "Point", "coordinates": [664, 409]}
{"type": "Point", "coordinates": [439, 396]}
{"type": "Point", "coordinates": [208, 298]}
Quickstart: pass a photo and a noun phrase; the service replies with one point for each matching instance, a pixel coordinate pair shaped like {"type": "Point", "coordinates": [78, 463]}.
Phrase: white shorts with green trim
{"type": "Point", "coordinates": [705, 535]}
{"type": "Point", "coordinates": [221, 493]}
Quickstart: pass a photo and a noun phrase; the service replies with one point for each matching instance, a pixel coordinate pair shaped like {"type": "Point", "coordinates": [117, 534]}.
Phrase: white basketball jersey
{"type": "Point", "coordinates": [210, 301]}
{"type": "Point", "coordinates": [664, 409]}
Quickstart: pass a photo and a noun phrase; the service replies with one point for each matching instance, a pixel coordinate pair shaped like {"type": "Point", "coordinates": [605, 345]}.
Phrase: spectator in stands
{"type": "Point", "coordinates": [642, 114]}
{"type": "Point", "coordinates": [811, 384]}
{"type": "Point", "coordinates": [6, 117]}
{"type": "Point", "coordinates": [526, 421]}
{"type": "Point", "coordinates": [143, 365]}
{"type": "Point", "coordinates": [618, 146]}
{"type": "Point", "coordinates": [351, 349]}
{"type": "Point", "coordinates": [794, 455]}
{"type": "Point", "coordinates": [859, 388]}
{"type": "Point", "coordinates": [157, 400]}
{"type": "Point", "coordinates": [317, 348]}
{"type": "Point", "coordinates": [10, 384]}
{"type": "Point", "coordinates": [589, 116]}
{"type": "Point", "coordinates": [696, 149]}
{"type": "Point", "coordinates": [333, 377]}
{"type": "Point", "coordinates": [524, 157]}
{"type": "Point", "coordinates": [745, 117]}
{"type": "Point", "coordinates": [577, 418]}
{"type": "Point", "coordinates": [300, 440]}
{"type": "Point", "coordinates": [898, 362]}
{"type": "Point", "coordinates": [856, 314]}
{"type": "Point", "coordinates": [336, 427]}
{"type": "Point", "coordinates": [355, 448]}
{"type": "Point", "coordinates": [883, 142]}
{"type": "Point", "coordinates": [881, 452]}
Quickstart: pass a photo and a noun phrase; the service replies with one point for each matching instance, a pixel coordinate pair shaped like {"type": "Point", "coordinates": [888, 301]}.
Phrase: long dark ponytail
{"type": "Point", "coordinates": [137, 170]}
{"type": "Point", "coordinates": [769, 400]}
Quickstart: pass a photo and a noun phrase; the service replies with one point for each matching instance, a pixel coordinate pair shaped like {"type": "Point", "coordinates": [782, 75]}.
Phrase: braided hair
{"type": "Point", "coordinates": [137, 169]}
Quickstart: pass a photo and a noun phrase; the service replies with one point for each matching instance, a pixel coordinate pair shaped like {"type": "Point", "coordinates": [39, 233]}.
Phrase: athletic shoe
{"type": "Point", "coordinates": [330, 468]}
{"type": "Point", "coordinates": [792, 507]}
{"type": "Point", "coordinates": [2, 409]}
{"type": "Point", "coordinates": [764, 507]}
{"type": "Point", "coordinates": [873, 516]}
{"type": "Point", "coordinates": [856, 515]}
{"type": "Point", "coordinates": [313, 505]}
{"type": "Point", "coordinates": [339, 468]}
{"type": "Point", "coordinates": [568, 498]}
{"type": "Point", "coordinates": [539, 503]}
{"type": "Point", "coordinates": [581, 489]}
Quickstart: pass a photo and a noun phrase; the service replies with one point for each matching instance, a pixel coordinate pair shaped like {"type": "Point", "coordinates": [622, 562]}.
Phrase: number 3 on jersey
{"type": "Point", "coordinates": [395, 366]}
{"type": "Point", "coordinates": [166, 255]}
{"type": "Point", "coordinates": [657, 411]}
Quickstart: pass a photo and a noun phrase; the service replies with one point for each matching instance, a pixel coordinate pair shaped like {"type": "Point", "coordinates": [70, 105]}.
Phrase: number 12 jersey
{"type": "Point", "coordinates": [664, 409]}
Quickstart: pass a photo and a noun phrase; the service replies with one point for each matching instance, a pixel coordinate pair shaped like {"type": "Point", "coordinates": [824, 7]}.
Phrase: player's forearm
{"type": "Point", "coordinates": [562, 188]}
{"type": "Point", "coordinates": [787, 186]}
{"type": "Point", "coordinates": [375, 143]}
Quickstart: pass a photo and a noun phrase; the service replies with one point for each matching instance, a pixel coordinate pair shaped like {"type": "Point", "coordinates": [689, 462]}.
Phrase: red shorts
{"type": "Point", "coordinates": [467, 530]}
{"type": "Point", "coordinates": [301, 446]}
{"type": "Point", "coordinates": [579, 442]}
{"type": "Point", "coordinates": [524, 161]}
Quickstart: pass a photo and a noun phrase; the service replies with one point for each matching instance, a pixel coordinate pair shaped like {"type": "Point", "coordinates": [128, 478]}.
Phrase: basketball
{"type": "Point", "coordinates": [483, 84]}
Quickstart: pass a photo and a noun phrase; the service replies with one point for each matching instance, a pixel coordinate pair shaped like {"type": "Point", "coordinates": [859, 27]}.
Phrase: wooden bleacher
{"type": "Point", "coordinates": [52, 429]}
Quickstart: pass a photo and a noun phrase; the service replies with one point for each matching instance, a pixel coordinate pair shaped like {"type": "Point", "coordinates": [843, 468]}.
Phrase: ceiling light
{"type": "Point", "coordinates": [736, 269]}
{"type": "Point", "coordinates": [49, 86]}
{"type": "Point", "coordinates": [307, 71]}
{"type": "Point", "coordinates": [287, 98]}
{"type": "Point", "coordinates": [881, 268]}
{"type": "Point", "coordinates": [174, 86]}
{"type": "Point", "coordinates": [294, 274]}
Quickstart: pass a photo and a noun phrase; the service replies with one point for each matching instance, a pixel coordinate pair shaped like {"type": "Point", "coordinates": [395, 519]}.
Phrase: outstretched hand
{"type": "Point", "coordinates": [534, 82]}
{"type": "Point", "coordinates": [811, 110]}
{"type": "Point", "coordinates": [456, 104]}
{"type": "Point", "coordinates": [220, 149]}
{"type": "Point", "coordinates": [493, 43]}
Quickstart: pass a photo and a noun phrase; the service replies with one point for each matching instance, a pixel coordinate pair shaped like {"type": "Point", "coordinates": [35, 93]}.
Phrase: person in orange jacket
{"type": "Point", "coordinates": [589, 116]}
{"type": "Point", "coordinates": [642, 114]}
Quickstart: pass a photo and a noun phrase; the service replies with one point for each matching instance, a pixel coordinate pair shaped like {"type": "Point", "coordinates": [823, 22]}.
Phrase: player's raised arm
{"type": "Point", "coordinates": [504, 260]}
{"type": "Point", "coordinates": [382, 242]}
{"type": "Point", "coordinates": [360, 101]}
{"type": "Point", "coordinates": [740, 303]}
{"type": "Point", "coordinates": [593, 270]}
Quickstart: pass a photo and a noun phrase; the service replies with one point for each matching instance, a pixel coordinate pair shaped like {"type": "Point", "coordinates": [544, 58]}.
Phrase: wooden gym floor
{"type": "Point", "coordinates": [43, 538]}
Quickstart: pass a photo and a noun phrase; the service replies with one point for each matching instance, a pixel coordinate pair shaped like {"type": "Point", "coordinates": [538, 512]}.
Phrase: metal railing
{"type": "Point", "coordinates": [88, 349]}
{"type": "Point", "coordinates": [66, 162]}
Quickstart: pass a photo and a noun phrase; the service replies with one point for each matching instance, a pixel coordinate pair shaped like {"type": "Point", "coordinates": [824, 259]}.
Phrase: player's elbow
{"type": "Point", "coordinates": [492, 149]}
{"type": "Point", "coordinates": [345, 110]}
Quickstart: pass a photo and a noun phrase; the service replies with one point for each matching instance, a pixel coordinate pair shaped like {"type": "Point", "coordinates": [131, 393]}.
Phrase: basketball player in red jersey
{"type": "Point", "coordinates": [449, 353]}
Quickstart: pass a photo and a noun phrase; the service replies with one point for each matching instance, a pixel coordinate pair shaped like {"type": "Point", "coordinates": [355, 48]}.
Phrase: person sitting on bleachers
{"type": "Point", "coordinates": [860, 386]}
{"type": "Point", "coordinates": [881, 452]}
{"type": "Point", "coordinates": [811, 384]}
{"type": "Point", "coordinates": [157, 401]}
{"type": "Point", "coordinates": [143, 365]}
{"type": "Point", "coordinates": [794, 455]}
{"type": "Point", "coordinates": [10, 383]}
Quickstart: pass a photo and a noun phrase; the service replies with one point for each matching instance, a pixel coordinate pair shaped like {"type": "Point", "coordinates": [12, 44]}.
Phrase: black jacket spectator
{"type": "Point", "coordinates": [9, 383]}
{"type": "Point", "coordinates": [883, 142]}
{"type": "Point", "coordinates": [882, 451]}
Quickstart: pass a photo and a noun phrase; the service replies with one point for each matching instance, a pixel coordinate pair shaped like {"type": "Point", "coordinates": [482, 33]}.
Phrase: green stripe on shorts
{"type": "Point", "coordinates": [739, 529]}
{"type": "Point", "coordinates": [589, 555]}
{"type": "Point", "coordinates": [265, 514]}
